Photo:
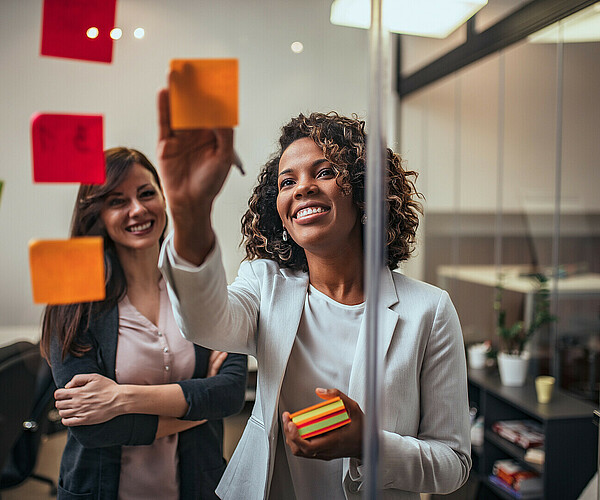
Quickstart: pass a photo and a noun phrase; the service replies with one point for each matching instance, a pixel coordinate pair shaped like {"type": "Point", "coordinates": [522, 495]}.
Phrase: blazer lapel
{"type": "Point", "coordinates": [387, 321]}
{"type": "Point", "coordinates": [287, 306]}
{"type": "Point", "coordinates": [105, 331]}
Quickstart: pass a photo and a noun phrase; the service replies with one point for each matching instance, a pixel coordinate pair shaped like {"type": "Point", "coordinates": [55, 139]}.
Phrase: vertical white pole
{"type": "Point", "coordinates": [375, 240]}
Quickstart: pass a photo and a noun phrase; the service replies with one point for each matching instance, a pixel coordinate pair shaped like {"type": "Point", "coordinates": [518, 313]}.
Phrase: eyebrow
{"type": "Point", "coordinates": [119, 193]}
{"type": "Point", "coordinates": [314, 164]}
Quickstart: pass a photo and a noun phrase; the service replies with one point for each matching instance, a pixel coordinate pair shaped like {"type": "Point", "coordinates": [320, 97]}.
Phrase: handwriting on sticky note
{"type": "Point", "coordinates": [68, 148]}
{"type": "Point", "coordinates": [203, 93]}
{"type": "Point", "coordinates": [65, 25]}
{"type": "Point", "coordinates": [67, 271]}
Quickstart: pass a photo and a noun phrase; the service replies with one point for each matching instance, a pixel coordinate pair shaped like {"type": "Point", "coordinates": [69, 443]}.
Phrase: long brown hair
{"type": "Point", "coordinates": [67, 321]}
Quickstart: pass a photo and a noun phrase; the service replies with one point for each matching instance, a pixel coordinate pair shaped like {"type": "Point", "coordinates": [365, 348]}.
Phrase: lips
{"type": "Point", "coordinates": [140, 227]}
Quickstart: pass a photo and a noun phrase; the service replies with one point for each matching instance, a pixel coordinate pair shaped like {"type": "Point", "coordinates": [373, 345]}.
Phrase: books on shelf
{"type": "Point", "coordinates": [509, 475]}
{"type": "Point", "coordinates": [535, 456]}
{"type": "Point", "coordinates": [523, 433]}
{"type": "Point", "coordinates": [516, 494]}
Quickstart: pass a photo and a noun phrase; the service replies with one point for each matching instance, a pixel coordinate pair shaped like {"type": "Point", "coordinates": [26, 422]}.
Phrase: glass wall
{"type": "Point", "coordinates": [508, 150]}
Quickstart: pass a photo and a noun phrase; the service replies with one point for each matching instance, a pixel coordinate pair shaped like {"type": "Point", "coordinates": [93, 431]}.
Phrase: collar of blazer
{"type": "Point", "coordinates": [387, 323]}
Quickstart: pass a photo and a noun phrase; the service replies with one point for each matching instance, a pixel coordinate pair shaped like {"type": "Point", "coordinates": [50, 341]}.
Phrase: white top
{"type": "Point", "coordinates": [321, 357]}
{"type": "Point", "coordinates": [148, 354]}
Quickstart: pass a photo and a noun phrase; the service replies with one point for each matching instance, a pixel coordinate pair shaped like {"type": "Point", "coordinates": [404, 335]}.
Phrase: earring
{"type": "Point", "coordinates": [284, 235]}
{"type": "Point", "coordinates": [363, 219]}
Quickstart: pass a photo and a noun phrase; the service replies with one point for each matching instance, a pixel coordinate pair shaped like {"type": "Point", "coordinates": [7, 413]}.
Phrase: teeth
{"type": "Point", "coordinates": [141, 227]}
{"type": "Point", "coordinates": [309, 211]}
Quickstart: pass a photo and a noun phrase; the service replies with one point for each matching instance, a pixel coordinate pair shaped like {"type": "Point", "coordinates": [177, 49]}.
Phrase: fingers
{"type": "Point", "coordinates": [79, 380]}
{"type": "Point", "coordinates": [327, 393]}
{"type": "Point", "coordinates": [164, 115]}
{"type": "Point", "coordinates": [215, 361]}
{"type": "Point", "coordinates": [224, 138]}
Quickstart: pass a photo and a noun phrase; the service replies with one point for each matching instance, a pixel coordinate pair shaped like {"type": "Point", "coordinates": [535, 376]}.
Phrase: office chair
{"type": "Point", "coordinates": [26, 389]}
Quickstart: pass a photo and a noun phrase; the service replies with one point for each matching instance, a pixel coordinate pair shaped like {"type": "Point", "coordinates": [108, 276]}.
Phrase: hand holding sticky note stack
{"type": "Point", "coordinates": [321, 418]}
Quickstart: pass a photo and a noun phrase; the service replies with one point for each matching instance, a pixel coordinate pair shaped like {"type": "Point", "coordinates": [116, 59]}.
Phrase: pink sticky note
{"type": "Point", "coordinates": [65, 25]}
{"type": "Point", "coordinates": [68, 148]}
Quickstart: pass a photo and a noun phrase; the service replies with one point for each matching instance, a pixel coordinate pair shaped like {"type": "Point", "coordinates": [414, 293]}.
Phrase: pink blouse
{"type": "Point", "coordinates": [148, 354]}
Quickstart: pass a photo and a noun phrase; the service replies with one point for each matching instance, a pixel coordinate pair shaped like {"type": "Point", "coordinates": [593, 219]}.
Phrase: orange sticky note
{"type": "Point", "coordinates": [67, 271]}
{"type": "Point", "coordinates": [203, 93]}
{"type": "Point", "coordinates": [67, 148]}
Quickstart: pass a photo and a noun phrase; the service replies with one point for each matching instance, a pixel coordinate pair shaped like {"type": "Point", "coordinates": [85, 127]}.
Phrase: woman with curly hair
{"type": "Point", "coordinates": [297, 305]}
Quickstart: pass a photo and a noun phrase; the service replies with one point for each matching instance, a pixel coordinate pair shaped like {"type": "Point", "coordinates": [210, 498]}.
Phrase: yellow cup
{"type": "Point", "coordinates": [543, 388]}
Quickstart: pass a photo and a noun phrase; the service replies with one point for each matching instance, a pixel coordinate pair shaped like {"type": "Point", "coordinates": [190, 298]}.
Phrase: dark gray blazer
{"type": "Point", "coordinates": [91, 461]}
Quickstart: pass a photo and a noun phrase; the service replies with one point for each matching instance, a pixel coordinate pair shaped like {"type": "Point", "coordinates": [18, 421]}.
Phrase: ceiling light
{"type": "Point", "coordinates": [92, 32]}
{"type": "Point", "coordinates": [431, 18]}
{"type": "Point", "coordinates": [139, 33]}
{"type": "Point", "coordinates": [297, 47]}
{"type": "Point", "coordinates": [583, 26]}
{"type": "Point", "coordinates": [116, 33]}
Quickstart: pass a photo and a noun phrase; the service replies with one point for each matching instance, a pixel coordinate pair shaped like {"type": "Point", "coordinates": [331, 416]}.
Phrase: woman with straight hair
{"type": "Point", "coordinates": [143, 406]}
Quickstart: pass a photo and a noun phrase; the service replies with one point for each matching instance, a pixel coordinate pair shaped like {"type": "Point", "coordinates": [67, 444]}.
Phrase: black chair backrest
{"type": "Point", "coordinates": [19, 366]}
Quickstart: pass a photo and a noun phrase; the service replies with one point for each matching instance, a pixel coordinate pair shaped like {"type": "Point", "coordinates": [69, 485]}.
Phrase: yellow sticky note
{"type": "Point", "coordinates": [203, 93]}
{"type": "Point", "coordinates": [67, 271]}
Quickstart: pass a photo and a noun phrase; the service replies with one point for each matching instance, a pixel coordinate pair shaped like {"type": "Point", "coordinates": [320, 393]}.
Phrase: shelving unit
{"type": "Point", "coordinates": [571, 438]}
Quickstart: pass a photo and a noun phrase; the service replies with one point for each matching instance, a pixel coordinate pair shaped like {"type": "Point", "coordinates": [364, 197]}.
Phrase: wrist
{"type": "Point", "coordinates": [126, 399]}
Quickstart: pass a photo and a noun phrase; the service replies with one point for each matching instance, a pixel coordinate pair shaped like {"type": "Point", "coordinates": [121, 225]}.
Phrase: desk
{"type": "Point", "coordinates": [577, 285]}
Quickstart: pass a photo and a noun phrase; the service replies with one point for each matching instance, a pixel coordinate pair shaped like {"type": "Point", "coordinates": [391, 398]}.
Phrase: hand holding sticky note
{"type": "Point", "coordinates": [67, 271]}
{"type": "Point", "coordinates": [321, 418]}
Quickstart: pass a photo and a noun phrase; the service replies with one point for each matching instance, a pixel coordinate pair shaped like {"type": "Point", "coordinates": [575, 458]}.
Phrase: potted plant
{"type": "Point", "coordinates": [513, 358]}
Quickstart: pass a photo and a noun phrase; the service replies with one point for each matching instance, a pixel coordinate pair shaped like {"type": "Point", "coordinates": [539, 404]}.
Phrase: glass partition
{"type": "Point", "coordinates": [508, 154]}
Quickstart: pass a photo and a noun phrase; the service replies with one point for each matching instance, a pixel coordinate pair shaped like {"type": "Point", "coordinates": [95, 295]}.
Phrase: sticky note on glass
{"type": "Point", "coordinates": [68, 148]}
{"type": "Point", "coordinates": [203, 93]}
{"type": "Point", "coordinates": [321, 418]}
{"type": "Point", "coordinates": [67, 271]}
{"type": "Point", "coordinates": [78, 29]}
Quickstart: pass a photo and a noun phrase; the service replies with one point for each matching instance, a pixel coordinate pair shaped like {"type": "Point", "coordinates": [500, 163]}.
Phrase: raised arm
{"type": "Point", "coordinates": [193, 165]}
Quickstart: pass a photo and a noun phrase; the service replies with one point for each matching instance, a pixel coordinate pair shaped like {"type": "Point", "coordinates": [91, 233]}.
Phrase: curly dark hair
{"type": "Point", "coordinates": [343, 141]}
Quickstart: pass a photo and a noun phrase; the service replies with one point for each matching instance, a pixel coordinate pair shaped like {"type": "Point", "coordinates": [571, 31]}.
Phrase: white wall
{"type": "Point", "coordinates": [275, 84]}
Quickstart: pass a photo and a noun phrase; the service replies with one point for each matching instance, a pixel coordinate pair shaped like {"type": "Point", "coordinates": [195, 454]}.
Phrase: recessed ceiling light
{"type": "Point", "coordinates": [139, 33]}
{"type": "Point", "coordinates": [297, 47]}
{"type": "Point", "coordinates": [116, 33]}
{"type": "Point", "coordinates": [92, 32]}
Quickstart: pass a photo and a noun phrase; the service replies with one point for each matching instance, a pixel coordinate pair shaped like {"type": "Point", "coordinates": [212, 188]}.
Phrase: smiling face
{"type": "Point", "coordinates": [134, 212]}
{"type": "Point", "coordinates": [314, 210]}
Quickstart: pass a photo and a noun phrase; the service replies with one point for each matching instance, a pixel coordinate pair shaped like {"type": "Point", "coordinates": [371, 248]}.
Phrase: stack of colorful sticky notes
{"type": "Point", "coordinates": [321, 418]}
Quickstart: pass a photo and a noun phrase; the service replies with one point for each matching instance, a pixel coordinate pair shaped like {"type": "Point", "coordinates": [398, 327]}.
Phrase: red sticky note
{"type": "Point", "coordinates": [65, 25]}
{"type": "Point", "coordinates": [68, 148]}
{"type": "Point", "coordinates": [67, 271]}
{"type": "Point", "coordinates": [203, 93]}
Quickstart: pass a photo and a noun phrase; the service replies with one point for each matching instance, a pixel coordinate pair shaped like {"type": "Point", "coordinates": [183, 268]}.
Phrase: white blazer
{"type": "Point", "coordinates": [425, 444]}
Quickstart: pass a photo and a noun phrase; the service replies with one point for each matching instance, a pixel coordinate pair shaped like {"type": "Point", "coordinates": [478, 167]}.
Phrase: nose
{"type": "Point", "coordinates": [305, 187]}
{"type": "Point", "coordinates": [136, 208]}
